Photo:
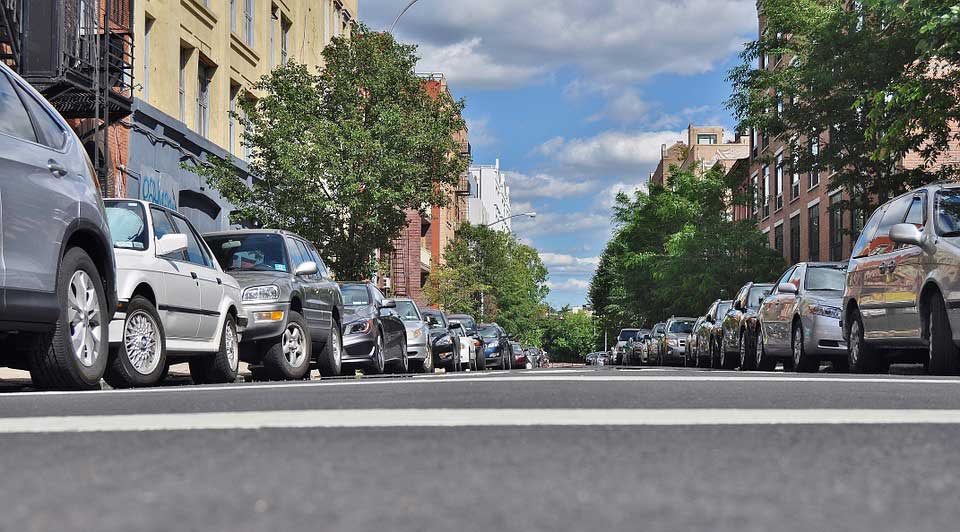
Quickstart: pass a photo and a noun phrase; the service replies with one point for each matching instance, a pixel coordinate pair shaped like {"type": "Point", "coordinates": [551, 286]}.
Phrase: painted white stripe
{"type": "Point", "coordinates": [379, 418]}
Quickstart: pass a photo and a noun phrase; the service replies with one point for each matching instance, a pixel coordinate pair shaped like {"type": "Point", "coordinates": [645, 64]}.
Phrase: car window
{"type": "Point", "coordinates": [863, 246]}
{"type": "Point", "coordinates": [163, 226]}
{"type": "Point", "coordinates": [786, 277]}
{"type": "Point", "coordinates": [253, 252]}
{"type": "Point", "coordinates": [49, 131]}
{"type": "Point", "coordinates": [831, 279]}
{"type": "Point", "coordinates": [948, 213]}
{"type": "Point", "coordinates": [128, 225]}
{"type": "Point", "coordinates": [194, 251]}
{"type": "Point", "coordinates": [895, 214]}
{"type": "Point", "coordinates": [681, 327]}
{"type": "Point", "coordinates": [723, 308]}
{"type": "Point", "coordinates": [408, 311]}
{"type": "Point", "coordinates": [315, 256]}
{"type": "Point", "coordinates": [435, 320]}
{"type": "Point", "coordinates": [296, 253]}
{"type": "Point", "coordinates": [796, 277]}
{"type": "Point", "coordinates": [14, 119]}
{"type": "Point", "coordinates": [355, 295]}
{"type": "Point", "coordinates": [489, 332]}
{"type": "Point", "coordinates": [756, 294]}
{"type": "Point", "coordinates": [916, 215]}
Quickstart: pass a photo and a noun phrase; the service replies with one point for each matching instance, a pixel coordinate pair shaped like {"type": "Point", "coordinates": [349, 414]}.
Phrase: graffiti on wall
{"type": "Point", "coordinates": [158, 189]}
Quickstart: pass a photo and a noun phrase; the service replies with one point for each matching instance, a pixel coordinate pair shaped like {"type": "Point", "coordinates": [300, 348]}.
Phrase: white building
{"type": "Point", "coordinates": [489, 197]}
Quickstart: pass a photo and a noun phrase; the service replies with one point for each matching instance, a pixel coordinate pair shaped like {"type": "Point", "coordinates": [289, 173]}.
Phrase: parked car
{"type": "Point", "coordinates": [496, 344]}
{"type": "Point", "coordinates": [698, 338]}
{"type": "Point", "coordinates": [623, 341]}
{"type": "Point", "coordinates": [651, 342]}
{"type": "Point", "coordinates": [712, 333]}
{"type": "Point", "coordinates": [671, 347]}
{"type": "Point", "coordinates": [57, 275]}
{"type": "Point", "coordinates": [465, 346]}
{"type": "Point", "coordinates": [294, 306]}
{"type": "Point", "coordinates": [634, 355]}
{"type": "Point", "coordinates": [800, 320]}
{"type": "Point", "coordinates": [419, 347]}
{"type": "Point", "coordinates": [470, 327]}
{"type": "Point", "coordinates": [520, 359]}
{"type": "Point", "coordinates": [446, 346]}
{"type": "Point", "coordinates": [533, 356]}
{"type": "Point", "coordinates": [175, 303]}
{"type": "Point", "coordinates": [373, 333]}
{"type": "Point", "coordinates": [740, 327]}
{"type": "Point", "coordinates": [902, 298]}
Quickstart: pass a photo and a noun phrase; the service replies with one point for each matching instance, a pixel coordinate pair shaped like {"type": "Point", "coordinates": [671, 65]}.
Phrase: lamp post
{"type": "Point", "coordinates": [528, 214]}
{"type": "Point", "coordinates": [402, 11]}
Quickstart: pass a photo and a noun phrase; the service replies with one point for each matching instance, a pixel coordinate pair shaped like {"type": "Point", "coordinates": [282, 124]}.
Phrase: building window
{"type": "Point", "coordinates": [345, 23]}
{"type": "Point", "coordinates": [337, 19]}
{"type": "Point", "coordinates": [779, 104]}
{"type": "Point", "coordinates": [755, 204]}
{"type": "Point", "coordinates": [813, 233]}
{"type": "Point", "coordinates": [284, 41]}
{"type": "Point", "coordinates": [778, 183]}
{"type": "Point", "coordinates": [795, 239]}
{"type": "Point", "coordinates": [766, 190]}
{"type": "Point", "coordinates": [248, 7]}
{"type": "Point", "coordinates": [706, 139]}
{"type": "Point", "coordinates": [836, 228]}
{"type": "Point", "coordinates": [234, 94]}
{"type": "Point", "coordinates": [814, 178]}
{"type": "Point", "coordinates": [778, 239]}
{"type": "Point", "coordinates": [325, 14]}
{"type": "Point", "coordinates": [794, 183]}
{"type": "Point", "coordinates": [147, 62]}
{"type": "Point", "coordinates": [184, 61]}
{"type": "Point", "coordinates": [233, 16]}
{"type": "Point", "coordinates": [204, 75]}
{"type": "Point", "coordinates": [274, 17]}
{"type": "Point", "coordinates": [247, 133]}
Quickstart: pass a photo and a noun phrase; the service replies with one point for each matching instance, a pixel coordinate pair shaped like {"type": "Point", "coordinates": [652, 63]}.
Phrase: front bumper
{"type": "Point", "coordinates": [823, 336]}
{"type": "Point", "coordinates": [359, 347]}
{"type": "Point", "coordinates": [417, 352]}
{"type": "Point", "coordinates": [263, 329]}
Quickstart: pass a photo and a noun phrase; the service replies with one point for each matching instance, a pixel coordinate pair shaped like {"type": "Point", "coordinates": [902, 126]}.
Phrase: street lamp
{"type": "Point", "coordinates": [528, 214]}
{"type": "Point", "coordinates": [404, 10]}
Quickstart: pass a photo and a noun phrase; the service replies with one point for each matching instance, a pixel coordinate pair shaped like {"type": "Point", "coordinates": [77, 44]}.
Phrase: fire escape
{"type": "Point", "coordinates": [79, 55]}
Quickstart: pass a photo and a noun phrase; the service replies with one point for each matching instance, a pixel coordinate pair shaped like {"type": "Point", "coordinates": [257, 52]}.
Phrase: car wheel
{"type": "Point", "coordinates": [943, 356]}
{"type": "Point", "coordinates": [75, 354]}
{"type": "Point", "coordinates": [861, 356]}
{"type": "Point", "coordinates": [764, 362]}
{"type": "Point", "coordinates": [288, 358]}
{"type": "Point", "coordinates": [748, 355]}
{"type": "Point", "coordinates": [330, 361]}
{"type": "Point", "coordinates": [377, 365]}
{"type": "Point", "coordinates": [141, 358]}
{"type": "Point", "coordinates": [402, 366]}
{"type": "Point", "coordinates": [802, 362]}
{"type": "Point", "coordinates": [426, 365]}
{"type": "Point", "coordinates": [481, 360]}
{"type": "Point", "coordinates": [223, 366]}
{"type": "Point", "coordinates": [508, 360]}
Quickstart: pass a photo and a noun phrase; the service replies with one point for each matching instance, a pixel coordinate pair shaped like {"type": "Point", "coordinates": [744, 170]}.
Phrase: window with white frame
{"type": "Point", "coordinates": [766, 190]}
{"type": "Point", "coordinates": [284, 40]}
{"type": "Point", "coordinates": [814, 177]}
{"type": "Point", "coordinates": [248, 10]}
{"type": "Point", "coordinates": [778, 183]}
{"type": "Point", "coordinates": [184, 61]}
{"type": "Point", "coordinates": [204, 76]}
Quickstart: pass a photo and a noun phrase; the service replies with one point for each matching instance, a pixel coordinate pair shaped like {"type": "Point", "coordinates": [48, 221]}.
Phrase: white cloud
{"type": "Point", "coordinates": [569, 285]}
{"type": "Point", "coordinates": [540, 185]}
{"type": "Point", "coordinates": [480, 132]}
{"type": "Point", "coordinates": [624, 107]}
{"type": "Point", "coordinates": [609, 196]}
{"type": "Point", "coordinates": [580, 225]}
{"type": "Point", "coordinates": [560, 263]}
{"type": "Point", "coordinates": [496, 43]}
{"type": "Point", "coordinates": [615, 151]}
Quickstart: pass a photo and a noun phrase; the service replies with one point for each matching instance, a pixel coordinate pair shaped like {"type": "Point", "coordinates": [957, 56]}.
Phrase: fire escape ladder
{"type": "Point", "coordinates": [10, 33]}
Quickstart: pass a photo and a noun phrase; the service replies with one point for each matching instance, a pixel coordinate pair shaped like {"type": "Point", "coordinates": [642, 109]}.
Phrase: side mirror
{"type": "Point", "coordinates": [787, 288]}
{"type": "Point", "coordinates": [388, 303]}
{"type": "Point", "coordinates": [906, 234]}
{"type": "Point", "coordinates": [738, 306]}
{"type": "Point", "coordinates": [171, 243]}
{"type": "Point", "coordinates": [306, 268]}
{"type": "Point", "coordinates": [646, 337]}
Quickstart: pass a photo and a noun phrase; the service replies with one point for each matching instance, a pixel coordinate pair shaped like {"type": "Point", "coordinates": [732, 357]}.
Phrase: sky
{"type": "Point", "coordinates": [575, 97]}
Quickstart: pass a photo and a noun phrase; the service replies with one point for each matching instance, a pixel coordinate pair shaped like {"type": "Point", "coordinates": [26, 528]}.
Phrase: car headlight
{"type": "Point", "coordinates": [416, 333]}
{"type": "Point", "coordinates": [444, 340]}
{"type": "Point", "coordinates": [675, 342]}
{"type": "Point", "coordinates": [826, 311]}
{"type": "Point", "coordinates": [360, 327]}
{"type": "Point", "coordinates": [261, 293]}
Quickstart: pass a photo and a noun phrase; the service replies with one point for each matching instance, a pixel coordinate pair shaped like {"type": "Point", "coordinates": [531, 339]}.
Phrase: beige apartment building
{"type": "Point", "coordinates": [704, 148]}
{"type": "Point", "coordinates": [195, 60]}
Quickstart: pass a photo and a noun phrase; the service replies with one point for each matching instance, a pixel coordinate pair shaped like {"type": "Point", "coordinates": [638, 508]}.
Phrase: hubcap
{"type": "Point", "coordinates": [379, 354]}
{"type": "Point", "coordinates": [233, 346]}
{"type": "Point", "coordinates": [854, 343]}
{"type": "Point", "coordinates": [83, 316]}
{"type": "Point", "coordinates": [797, 346]}
{"type": "Point", "coordinates": [141, 341]}
{"type": "Point", "coordinates": [294, 345]}
{"type": "Point", "coordinates": [337, 348]}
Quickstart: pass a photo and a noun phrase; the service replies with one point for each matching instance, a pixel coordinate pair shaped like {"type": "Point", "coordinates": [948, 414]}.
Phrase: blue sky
{"type": "Point", "coordinates": [575, 98]}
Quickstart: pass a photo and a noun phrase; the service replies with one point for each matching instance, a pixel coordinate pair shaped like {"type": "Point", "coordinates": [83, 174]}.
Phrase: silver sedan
{"type": "Point", "coordinates": [800, 320]}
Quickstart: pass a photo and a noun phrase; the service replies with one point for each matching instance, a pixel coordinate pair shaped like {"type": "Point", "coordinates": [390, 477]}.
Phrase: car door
{"type": "Point", "coordinates": [393, 326]}
{"type": "Point", "coordinates": [773, 310]}
{"type": "Point", "coordinates": [180, 304]}
{"type": "Point", "coordinates": [878, 288]}
{"type": "Point", "coordinates": [328, 292]}
{"type": "Point", "coordinates": [209, 279]}
{"type": "Point", "coordinates": [42, 180]}
{"type": "Point", "coordinates": [731, 323]}
{"type": "Point", "coordinates": [905, 274]}
{"type": "Point", "coordinates": [863, 276]}
{"type": "Point", "coordinates": [313, 308]}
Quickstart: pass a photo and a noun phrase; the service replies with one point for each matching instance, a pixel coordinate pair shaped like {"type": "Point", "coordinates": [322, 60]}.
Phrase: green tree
{"type": "Point", "coordinates": [568, 336]}
{"type": "Point", "coordinates": [339, 155]}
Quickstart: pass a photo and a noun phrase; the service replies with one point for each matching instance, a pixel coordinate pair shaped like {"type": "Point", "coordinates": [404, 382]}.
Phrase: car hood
{"type": "Point", "coordinates": [248, 278]}
{"type": "Point", "coordinates": [358, 313]}
{"type": "Point", "coordinates": [827, 299]}
{"type": "Point", "coordinates": [414, 325]}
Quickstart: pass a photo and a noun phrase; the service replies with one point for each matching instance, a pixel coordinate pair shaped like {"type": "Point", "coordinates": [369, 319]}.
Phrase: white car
{"type": "Point", "coordinates": [466, 346]}
{"type": "Point", "coordinates": [175, 303]}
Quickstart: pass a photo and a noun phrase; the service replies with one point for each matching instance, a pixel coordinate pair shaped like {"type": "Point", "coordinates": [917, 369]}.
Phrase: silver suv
{"type": "Point", "coordinates": [903, 289]}
{"type": "Point", "coordinates": [57, 273]}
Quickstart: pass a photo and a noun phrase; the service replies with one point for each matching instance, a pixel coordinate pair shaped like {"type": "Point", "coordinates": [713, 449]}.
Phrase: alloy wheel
{"type": "Point", "coordinates": [797, 347]}
{"type": "Point", "coordinates": [83, 315]}
{"type": "Point", "coordinates": [232, 346]}
{"type": "Point", "coordinates": [141, 342]}
{"type": "Point", "coordinates": [854, 347]}
{"type": "Point", "coordinates": [294, 345]}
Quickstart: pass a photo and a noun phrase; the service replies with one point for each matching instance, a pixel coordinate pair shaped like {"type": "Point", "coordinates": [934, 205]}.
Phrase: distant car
{"type": "Point", "coordinates": [620, 348]}
{"type": "Point", "coordinates": [673, 344]}
{"type": "Point", "coordinates": [698, 338]}
{"type": "Point", "coordinates": [446, 346]}
{"type": "Point", "coordinates": [902, 297]}
{"type": "Point", "coordinates": [635, 348]}
{"type": "Point", "coordinates": [419, 347]}
{"type": "Point", "coordinates": [533, 356]}
{"type": "Point", "coordinates": [465, 343]}
{"type": "Point", "coordinates": [374, 335]}
{"type": "Point", "coordinates": [649, 352]}
{"type": "Point", "coordinates": [519, 356]}
{"type": "Point", "coordinates": [294, 306]}
{"type": "Point", "coordinates": [473, 333]}
{"type": "Point", "coordinates": [496, 346]}
{"type": "Point", "coordinates": [57, 273]}
{"type": "Point", "coordinates": [711, 337]}
{"type": "Point", "coordinates": [740, 327]}
{"type": "Point", "coordinates": [175, 303]}
{"type": "Point", "coordinates": [800, 320]}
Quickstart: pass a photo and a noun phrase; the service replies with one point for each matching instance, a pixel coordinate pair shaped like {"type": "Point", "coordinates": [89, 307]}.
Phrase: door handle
{"type": "Point", "coordinates": [194, 275]}
{"type": "Point", "coordinates": [219, 280]}
{"type": "Point", "coordinates": [56, 168]}
{"type": "Point", "coordinates": [892, 266]}
{"type": "Point", "coordinates": [883, 267]}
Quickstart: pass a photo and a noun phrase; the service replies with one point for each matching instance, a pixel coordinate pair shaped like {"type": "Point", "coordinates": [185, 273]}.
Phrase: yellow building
{"type": "Point", "coordinates": [194, 60]}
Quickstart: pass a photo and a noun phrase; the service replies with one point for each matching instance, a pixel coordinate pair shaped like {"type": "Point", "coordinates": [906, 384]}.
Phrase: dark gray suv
{"type": "Point", "coordinates": [57, 274]}
{"type": "Point", "coordinates": [294, 307]}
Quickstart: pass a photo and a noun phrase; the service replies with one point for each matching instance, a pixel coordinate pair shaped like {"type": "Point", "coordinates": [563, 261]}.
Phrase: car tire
{"type": "Point", "coordinates": [288, 357]}
{"type": "Point", "coordinates": [764, 362]}
{"type": "Point", "coordinates": [141, 358]}
{"type": "Point", "coordinates": [378, 365]}
{"type": "Point", "coordinates": [481, 360]}
{"type": "Point", "coordinates": [330, 361]}
{"type": "Point", "coordinates": [53, 358]}
{"type": "Point", "coordinates": [508, 360]}
{"type": "Point", "coordinates": [402, 365]}
{"type": "Point", "coordinates": [862, 357]}
{"type": "Point", "coordinates": [942, 351]}
{"type": "Point", "coordinates": [802, 362]}
{"type": "Point", "coordinates": [748, 351]}
{"type": "Point", "coordinates": [221, 367]}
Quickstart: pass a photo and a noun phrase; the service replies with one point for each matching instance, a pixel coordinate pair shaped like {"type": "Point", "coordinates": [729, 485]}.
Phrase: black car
{"type": "Point", "coordinates": [496, 344]}
{"type": "Point", "coordinates": [373, 333]}
{"type": "Point", "coordinates": [446, 346]}
{"type": "Point", "coordinates": [470, 327]}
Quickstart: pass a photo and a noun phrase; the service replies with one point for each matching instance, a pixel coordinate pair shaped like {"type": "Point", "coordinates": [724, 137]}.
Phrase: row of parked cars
{"type": "Point", "coordinates": [896, 300]}
{"type": "Point", "coordinates": [122, 289]}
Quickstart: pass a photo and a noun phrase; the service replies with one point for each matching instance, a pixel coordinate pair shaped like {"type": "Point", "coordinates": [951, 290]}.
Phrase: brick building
{"type": "Point", "coordinates": [705, 147]}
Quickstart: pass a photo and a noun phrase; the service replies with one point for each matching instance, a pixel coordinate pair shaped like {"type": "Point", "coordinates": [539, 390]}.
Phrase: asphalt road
{"type": "Point", "coordinates": [552, 450]}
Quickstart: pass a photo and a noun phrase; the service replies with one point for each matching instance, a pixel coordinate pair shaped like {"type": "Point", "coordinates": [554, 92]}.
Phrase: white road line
{"type": "Point", "coordinates": [380, 418]}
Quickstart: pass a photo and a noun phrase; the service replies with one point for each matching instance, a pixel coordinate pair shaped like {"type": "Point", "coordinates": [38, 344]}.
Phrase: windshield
{"type": "Point", "coordinates": [252, 252]}
{"type": "Point", "coordinates": [756, 294]}
{"type": "Point", "coordinates": [435, 320]}
{"type": "Point", "coordinates": [723, 308]}
{"type": "Point", "coordinates": [826, 279]}
{"type": "Point", "coordinates": [682, 327]}
{"type": "Point", "coordinates": [627, 334]}
{"type": "Point", "coordinates": [355, 295]}
{"type": "Point", "coordinates": [467, 323]}
{"type": "Point", "coordinates": [407, 311]}
{"type": "Point", "coordinates": [658, 329]}
{"type": "Point", "coordinates": [948, 212]}
{"type": "Point", "coordinates": [127, 226]}
{"type": "Point", "coordinates": [489, 332]}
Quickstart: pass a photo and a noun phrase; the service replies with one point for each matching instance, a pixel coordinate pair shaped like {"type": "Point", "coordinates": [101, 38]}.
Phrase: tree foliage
{"type": "Point", "coordinates": [339, 155]}
{"type": "Point", "coordinates": [567, 336]}
{"type": "Point", "coordinates": [674, 251]}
